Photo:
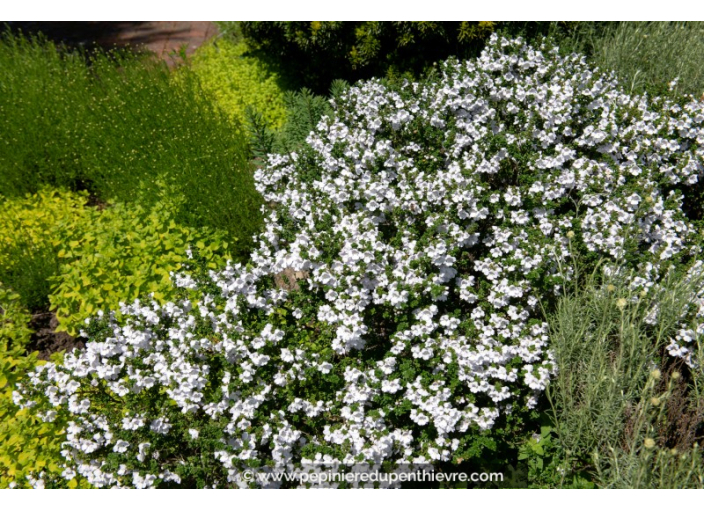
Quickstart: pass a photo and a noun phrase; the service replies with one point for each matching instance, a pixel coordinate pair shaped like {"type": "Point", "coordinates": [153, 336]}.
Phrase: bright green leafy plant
{"type": "Point", "coordinates": [124, 252]}
{"type": "Point", "coordinates": [30, 448]}
{"type": "Point", "coordinates": [58, 253]}
{"type": "Point", "coordinates": [238, 81]}
{"type": "Point", "coordinates": [31, 229]}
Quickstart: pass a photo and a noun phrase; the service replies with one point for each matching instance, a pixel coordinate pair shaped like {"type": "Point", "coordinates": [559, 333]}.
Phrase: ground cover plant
{"type": "Point", "coordinates": [124, 252]}
{"type": "Point", "coordinates": [393, 311]}
{"type": "Point", "coordinates": [31, 230]}
{"type": "Point", "coordinates": [126, 129]}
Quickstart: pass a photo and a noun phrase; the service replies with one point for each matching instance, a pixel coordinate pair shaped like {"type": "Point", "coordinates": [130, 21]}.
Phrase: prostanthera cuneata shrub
{"type": "Point", "coordinates": [391, 313]}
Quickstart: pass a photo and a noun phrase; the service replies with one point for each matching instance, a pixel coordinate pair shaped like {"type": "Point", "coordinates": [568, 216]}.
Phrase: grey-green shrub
{"type": "Point", "coordinates": [625, 414]}
{"type": "Point", "coordinates": [648, 56]}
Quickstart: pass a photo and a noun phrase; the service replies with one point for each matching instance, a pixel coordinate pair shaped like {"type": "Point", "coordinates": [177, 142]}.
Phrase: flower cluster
{"type": "Point", "coordinates": [687, 343]}
{"type": "Point", "coordinates": [391, 312]}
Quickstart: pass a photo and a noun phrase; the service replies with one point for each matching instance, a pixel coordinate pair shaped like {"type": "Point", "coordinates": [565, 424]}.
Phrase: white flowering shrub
{"type": "Point", "coordinates": [391, 312]}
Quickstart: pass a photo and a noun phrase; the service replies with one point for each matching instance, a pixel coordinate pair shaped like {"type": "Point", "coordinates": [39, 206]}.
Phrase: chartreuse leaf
{"type": "Point", "coordinates": [28, 445]}
{"type": "Point", "coordinates": [131, 256]}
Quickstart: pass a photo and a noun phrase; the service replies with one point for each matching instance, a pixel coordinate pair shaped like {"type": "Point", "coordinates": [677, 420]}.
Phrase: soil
{"type": "Point", "coordinates": [288, 279]}
{"type": "Point", "coordinates": [166, 40]}
{"type": "Point", "coordinates": [46, 340]}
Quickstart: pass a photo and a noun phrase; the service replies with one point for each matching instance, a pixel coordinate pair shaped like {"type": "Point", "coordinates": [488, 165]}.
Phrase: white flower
{"type": "Point", "coordinates": [120, 446]}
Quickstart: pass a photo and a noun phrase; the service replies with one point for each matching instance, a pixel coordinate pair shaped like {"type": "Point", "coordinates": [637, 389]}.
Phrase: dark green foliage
{"type": "Point", "coordinates": [304, 111]}
{"type": "Point", "coordinates": [646, 56]}
{"type": "Point", "coordinates": [313, 53]}
{"type": "Point", "coordinates": [125, 129]}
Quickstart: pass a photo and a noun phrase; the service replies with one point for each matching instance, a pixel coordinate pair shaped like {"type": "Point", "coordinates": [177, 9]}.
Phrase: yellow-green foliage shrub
{"type": "Point", "coordinates": [27, 444]}
{"type": "Point", "coordinates": [31, 229]}
{"type": "Point", "coordinates": [94, 259]}
{"type": "Point", "coordinates": [238, 80]}
{"type": "Point", "coordinates": [57, 252]}
{"type": "Point", "coordinates": [124, 252]}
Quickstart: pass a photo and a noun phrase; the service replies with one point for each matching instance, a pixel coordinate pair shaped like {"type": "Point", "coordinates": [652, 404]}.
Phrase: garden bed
{"type": "Point", "coordinates": [490, 263]}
